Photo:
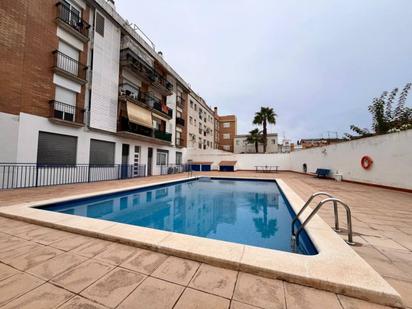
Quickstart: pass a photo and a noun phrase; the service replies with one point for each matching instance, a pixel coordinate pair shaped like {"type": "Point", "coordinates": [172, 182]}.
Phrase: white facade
{"type": "Point", "coordinates": [200, 124]}
{"type": "Point", "coordinates": [242, 146]}
{"type": "Point", "coordinates": [22, 141]}
{"type": "Point", "coordinates": [105, 78]}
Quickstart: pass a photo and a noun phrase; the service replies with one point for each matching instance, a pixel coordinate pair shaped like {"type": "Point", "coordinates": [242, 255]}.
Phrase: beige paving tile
{"type": "Point", "coordinates": [79, 302]}
{"type": "Point", "coordinates": [298, 296]}
{"type": "Point", "coordinates": [81, 276]}
{"type": "Point", "coordinates": [44, 235]}
{"type": "Point", "coordinates": [354, 303]}
{"type": "Point", "coordinates": [116, 254]}
{"type": "Point", "coordinates": [214, 280]}
{"type": "Point", "coordinates": [9, 254]}
{"type": "Point", "coordinates": [57, 265]}
{"type": "Point", "coordinates": [404, 288]}
{"type": "Point", "coordinates": [154, 294]}
{"type": "Point", "coordinates": [92, 248]}
{"type": "Point", "coordinates": [176, 270]}
{"type": "Point", "coordinates": [115, 286]}
{"type": "Point", "coordinates": [238, 305]}
{"type": "Point", "coordinates": [17, 285]}
{"type": "Point", "coordinates": [7, 271]}
{"type": "Point", "coordinates": [71, 243]}
{"type": "Point", "coordinates": [44, 297]}
{"type": "Point", "coordinates": [201, 300]}
{"type": "Point", "coordinates": [145, 261]}
{"type": "Point", "coordinates": [383, 242]}
{"type": "Point", "coordinates": [258, 291]}
{"type": "Point", "coordinates": [33, 257]}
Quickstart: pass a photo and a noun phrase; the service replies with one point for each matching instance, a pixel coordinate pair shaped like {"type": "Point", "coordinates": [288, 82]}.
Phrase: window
{"type": "Point", "coordinates": [162, 157]}
{"type": "Point", "coordinates": [226, 136]}
{"type": "Point", "coordinates": [194, 123]}
{"type": "Point", "coordinates": [226, 147]}
{"type": "Point", "coordinates": [226, 124]}
{"type": "Point", "coordinates": [179, 158]}
{"type": "Point", "coordinates": [273, 141]}
{"type": "Point", "coordinates": [237, 142]}
{"type": "Point", "coordinates": [99, 24]}
{"type": "Point", "coordinates": [191, 119]}
{"type": "Point", "coordinates": [101, 152]}
{"type": "Point", "coordinates": [65, 105]}
{"type": "Point", "coordinates": [55, 149]}
{"type": "Point", "coordinates": [195, 107]}
{"type": "Point", "coordinates": [191, 104]}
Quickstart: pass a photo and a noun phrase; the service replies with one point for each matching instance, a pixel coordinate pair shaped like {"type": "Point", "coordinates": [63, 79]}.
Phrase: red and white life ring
{"type": "Point", "coordinates": [366, 162]}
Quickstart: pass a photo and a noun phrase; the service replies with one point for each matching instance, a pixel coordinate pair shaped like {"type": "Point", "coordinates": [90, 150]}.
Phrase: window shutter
{"type": "Point", "coordinates": [99, 24]}
{"type": "Point", "coordinates": [56, 149]}
{"type": "Point", "coordinates": [101, 152]}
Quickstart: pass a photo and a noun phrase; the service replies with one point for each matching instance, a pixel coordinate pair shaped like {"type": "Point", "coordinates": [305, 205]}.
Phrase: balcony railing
{"type": "Point", "coordinates": [163, 108]}
{"type": "Point", "coordinates": [180, 101]}
{"type": "Point", "coordinates": [174, 169]}
{"type": "Point", "coordinates": [180, 121]}
{"type": "Point", "coordinates": [137, 64]}
{"type": "Point", "coordinates": [163, 135]}
{"type": "Point", "coordinates": [126, 125]}
{"type": "Point", "coordinates": [69, 65]}
{"type": "Point", "coordinates": [66, 112]}
{"type": "Point", "coordinates": [72, 18]}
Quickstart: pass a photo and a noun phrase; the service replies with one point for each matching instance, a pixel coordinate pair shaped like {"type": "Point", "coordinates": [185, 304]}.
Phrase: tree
{"type": "Point", "coordinates": [255, 137]}
{"type": "Point", "coordinates": [385, 118]}
{"type": "Point", "coordinates": [265, 116]}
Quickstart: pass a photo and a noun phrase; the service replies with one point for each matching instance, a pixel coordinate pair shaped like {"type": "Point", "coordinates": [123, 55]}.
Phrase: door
{"type": "Point", "coordinates": [149, 161]}
{"type": "Point", "coordinates": [125, 161]}
{"type": "Point", "coordinates": [137, 172]}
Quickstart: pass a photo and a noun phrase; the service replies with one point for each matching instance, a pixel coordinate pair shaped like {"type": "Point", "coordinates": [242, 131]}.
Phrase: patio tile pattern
{"type": "Point", "coordinates": [45, 268]}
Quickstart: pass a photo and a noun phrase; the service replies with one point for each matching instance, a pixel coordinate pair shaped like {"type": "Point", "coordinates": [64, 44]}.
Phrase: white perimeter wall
{"type": "Point", "coordinates": [391, 153]}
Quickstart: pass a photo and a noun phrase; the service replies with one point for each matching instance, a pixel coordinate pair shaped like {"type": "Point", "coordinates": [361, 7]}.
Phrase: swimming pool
{"type": "Point", "coordinates": [251, 212]}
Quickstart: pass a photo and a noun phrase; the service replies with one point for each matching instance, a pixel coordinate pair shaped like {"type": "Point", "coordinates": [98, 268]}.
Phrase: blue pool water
{"type": "Point", "coordinates": [242, 211]}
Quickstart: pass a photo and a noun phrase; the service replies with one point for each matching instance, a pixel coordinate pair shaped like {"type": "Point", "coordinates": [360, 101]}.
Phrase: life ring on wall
{"type": "Point", "coordinates": [366, 162]}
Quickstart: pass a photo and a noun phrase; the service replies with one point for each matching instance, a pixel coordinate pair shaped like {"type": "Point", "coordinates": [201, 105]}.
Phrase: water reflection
{"type": "Point", "coordinates": [252, 213]}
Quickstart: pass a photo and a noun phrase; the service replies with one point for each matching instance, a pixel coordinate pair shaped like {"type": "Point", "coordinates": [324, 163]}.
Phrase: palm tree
{"type": "Point", "coordinates": [255, 137]}
{"type": "Point", "coordinates": [265, 116]}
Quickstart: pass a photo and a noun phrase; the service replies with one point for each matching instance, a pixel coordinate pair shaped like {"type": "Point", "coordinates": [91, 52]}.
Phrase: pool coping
{"type": "Point", "coordinates": [336, 267]}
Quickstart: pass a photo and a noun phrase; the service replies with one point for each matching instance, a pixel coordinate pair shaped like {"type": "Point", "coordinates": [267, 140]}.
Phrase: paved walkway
{"type": "Point", "coordinates": [46, 268]}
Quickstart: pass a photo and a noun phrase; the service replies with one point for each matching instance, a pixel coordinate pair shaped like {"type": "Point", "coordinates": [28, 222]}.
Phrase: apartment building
{"type": "Point", "coordinates": [79, 85]}
{"type": "Point", "coordinates": [242, 146]}
{"type": "Point", "coordinates": [227, 131]}
{"type": "Point", "coordinates": [201, 124]}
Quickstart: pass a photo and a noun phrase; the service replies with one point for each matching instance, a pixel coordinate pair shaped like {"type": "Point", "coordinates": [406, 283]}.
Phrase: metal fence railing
{"type": "Point", "coordinates": [174, 169]}
{"type": "Point", "coordinates": [20, 175]}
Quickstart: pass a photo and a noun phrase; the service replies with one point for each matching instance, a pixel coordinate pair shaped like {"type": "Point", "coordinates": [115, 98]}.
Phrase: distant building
{"type": "Point", "coordinates": [242, 146]}
{"type": "Point", "coordinates": [227, 128]}
{"type": "Point", "coordinates": [317, 142]}
{"type": "Point", "coordinates": [286, 146]}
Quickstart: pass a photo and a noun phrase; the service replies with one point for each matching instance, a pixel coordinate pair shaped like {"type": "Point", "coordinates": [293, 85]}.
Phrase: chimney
{"type": "Point", "coordinates": [160, 53]}
{"type": "Point", "coordinates": [215, 109]}
{"type": "Point", "coordinates": [111, 3]}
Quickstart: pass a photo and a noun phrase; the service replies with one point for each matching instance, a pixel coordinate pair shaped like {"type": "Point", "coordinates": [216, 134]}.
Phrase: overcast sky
{"type": "Point", "coordinates": [318, 63]}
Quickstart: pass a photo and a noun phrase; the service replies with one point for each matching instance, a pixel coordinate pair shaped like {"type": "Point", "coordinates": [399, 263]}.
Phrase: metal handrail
{"type": "Point", "coordinates": [314, 211]}
{"type": "Point", "coordinates": [305, 206]}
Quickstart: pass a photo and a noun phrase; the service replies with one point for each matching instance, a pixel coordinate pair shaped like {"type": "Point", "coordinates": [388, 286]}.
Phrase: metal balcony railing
{"type": "Point", "coordinates": [180, 101]}
{"type": "Point", "coordinates": [72, 18]}
{"type": "Point", "coordinates": [180, 121]}
{"type": "Point", "coordinates": [163, 135]}
{"type": "Point", "coordinates": [179, 142]}
{"type": "Point", "coordinates": [69, 65]}
{"type": "Point", "coordinates": [66, 112]}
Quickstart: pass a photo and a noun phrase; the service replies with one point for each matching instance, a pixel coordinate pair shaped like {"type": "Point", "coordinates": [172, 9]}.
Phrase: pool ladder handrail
{"type": "Point", "coordinates": [295, 236]}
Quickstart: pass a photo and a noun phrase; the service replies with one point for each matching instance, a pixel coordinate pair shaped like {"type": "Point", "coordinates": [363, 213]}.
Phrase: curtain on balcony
{"type": "Point", "coordinates": [139, 115]}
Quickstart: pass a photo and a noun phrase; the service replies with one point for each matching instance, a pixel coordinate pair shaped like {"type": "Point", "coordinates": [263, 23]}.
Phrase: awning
{"type": "Point", "coordinates": [139, 115]}
{"type": "Point", "coordinates": [227, 163]}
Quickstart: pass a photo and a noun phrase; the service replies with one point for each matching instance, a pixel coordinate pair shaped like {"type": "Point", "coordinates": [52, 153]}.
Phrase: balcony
{"type": "Point", "coordinates": [129, 59]}
{"type": "Point", "coordinates": [162, 135]}
{"type": "Point", "coordinates": [162, 108]}
{"type": "Point", "coordinates": [161, 84]}
{"type": "Point", "coordinates": [70, 20]}
{"type": "Point", "coordinates": [180, 102]}
{"type": "Point", "coordinates": [66, 114]}
{"type": "Point", "coordinates": [130, 129]}
{"type": "Point", "coordinates": [180, 121]}
{"type": "Point", "coordinates": [69, 67]}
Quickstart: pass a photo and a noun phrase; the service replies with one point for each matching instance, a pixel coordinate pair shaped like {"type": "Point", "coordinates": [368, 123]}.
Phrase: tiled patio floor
{"type": "Point", "coordinates": [46, 268]}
